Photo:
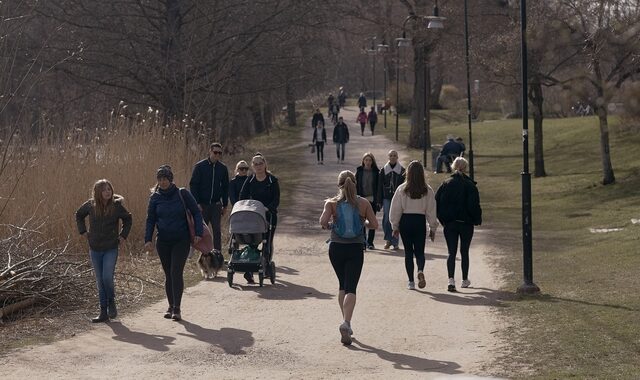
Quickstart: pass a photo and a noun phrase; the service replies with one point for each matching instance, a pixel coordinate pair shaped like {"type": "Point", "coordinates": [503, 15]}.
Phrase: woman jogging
{"type": "Point", "coordinates": [412, 206]}
{"type": "Point", "coordinates": [458, 211]}
{"type": "Point", "coordinates": [105, 210]}
{"type": "Point", "coordinates": [166, 212]}
{"type": "Point", "coordinates": [367, 187]}
{"type": "Point", "coordinates": [345, 214]}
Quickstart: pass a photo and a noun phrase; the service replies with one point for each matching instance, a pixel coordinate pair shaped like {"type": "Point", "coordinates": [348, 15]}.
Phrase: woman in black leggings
{"type": "Point", "coordinates": [412, 206]}
{"type": "Point", "coordinates": [458, 211]}
{"type": "Point", "coordinates": [347, 254]}
{"type": "Point", "coordinates": [319, 138]}
{"type": "Point", "coordinates": [166, 211]}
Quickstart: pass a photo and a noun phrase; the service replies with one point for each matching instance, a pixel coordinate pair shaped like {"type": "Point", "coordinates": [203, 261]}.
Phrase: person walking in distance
{"type": "Point", "coordinates": [319, 138]}
{"type": "Point", "coordinates": [373, 119]}
{"type": "Point", "coordinates": [105, 211]}
{"type": "Point", "coordinates": [166, 212]}
{"type": "Point", "coordinates": [235, 185]}
{"type": "Point", "coordinates": [412, 207]}
{"type": "Point", "coordinates": [209, 185]}
{"type": "Point", "coordinates": [459, 211]}
{"type": "Point", "coordinates": [330, 101]}
{"type": "Point", "coordinates": [391, 176]}
{"type": "Point", "coordinates": [345, 215]}
{"type": "Point", "coordinates": [362, 101]}
{"type": "Point", "coordinates": [362, 119]}
{"type": "Point", "coordinates": [317, 118]}
{"type": "Point", "coordinates": [340, 138]}
{"type": "Point", "coordinates": [367, 187]}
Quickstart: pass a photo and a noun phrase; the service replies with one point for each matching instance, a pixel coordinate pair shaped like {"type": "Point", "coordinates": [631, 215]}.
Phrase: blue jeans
{"type": "Point", "coordinates": [386, 225]}
{"type": "Point", "coordinates": [104, 265]}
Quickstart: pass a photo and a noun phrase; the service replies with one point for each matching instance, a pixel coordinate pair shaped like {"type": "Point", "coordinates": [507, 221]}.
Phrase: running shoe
{"type": "Point", "coordinates": [387, 245]}
{"type": "Point", "coordinates": [451, 287]}
{"type": "Point", "coordinates": [411, 285]}
{"type": "Point", "coordinates": [465, 284]}
{"type": "Point", "coordinates": [345, 334]}
{"type": "Point", "coordinates": [421, 281]}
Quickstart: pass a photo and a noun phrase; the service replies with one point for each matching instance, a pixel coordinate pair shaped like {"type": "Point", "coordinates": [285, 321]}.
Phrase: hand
{"type": "Point", "coordinates": [148, 246]}
{"type": "Point", "coordinates": [396, 234]}
{"type": "Point", "coordinates": [222, 211]}
{"type": "Point", "coordinates": [121, 240]}
{"type": "Point", "coordinates": [196, 239]}
{"type": "Point", "coordinates": [432, 235]}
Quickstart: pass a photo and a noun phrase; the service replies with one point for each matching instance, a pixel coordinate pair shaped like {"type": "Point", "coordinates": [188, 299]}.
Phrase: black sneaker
{"type": "Point", "coordinates": [371, 246]}
{"type": "Point", "coordinates": [103, 317]}
{"type": "Point", "coordinates": [249, 277]}
{"type": "Point", "coordinates": [168, 313]}
{"type": "Point", "coordinates": [176, 314]}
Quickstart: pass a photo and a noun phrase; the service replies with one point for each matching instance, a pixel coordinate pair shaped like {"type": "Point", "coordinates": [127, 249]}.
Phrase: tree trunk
{"type": "Point", "coordinates": [173, 96]}
{"type": "Point", "coordinates": [420, 114]}
{"type": "Point", "coordinates": [291, 105]}
{"type": "Point", "coordinates": [536, 97]}
{"type": "Point", "coordinates": [607, 169]}
{"type": "Point", "coordinates": [256, 113]}
{"type": "Point", "coordinates": [438, 72]}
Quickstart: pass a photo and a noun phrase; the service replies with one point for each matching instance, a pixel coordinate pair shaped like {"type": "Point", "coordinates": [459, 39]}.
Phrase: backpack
{"type": "Point", "coordinates": [348, 224]}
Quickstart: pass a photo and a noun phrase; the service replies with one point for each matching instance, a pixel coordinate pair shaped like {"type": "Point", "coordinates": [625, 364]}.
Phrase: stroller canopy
{"type": "Point", "coordinates": [248, 217]}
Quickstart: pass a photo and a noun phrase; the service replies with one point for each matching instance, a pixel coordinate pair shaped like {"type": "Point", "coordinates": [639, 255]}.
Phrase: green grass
{"type": "Point", "coordinates": [585, 323]}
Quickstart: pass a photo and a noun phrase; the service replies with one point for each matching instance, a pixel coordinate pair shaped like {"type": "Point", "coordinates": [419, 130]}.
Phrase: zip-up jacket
{"type": "Point", "coordinates": [323, 136]}
{"type": "Point", "coordinates": [341, 133]}
{"type": "Point", "coordinates": [317, 117]}
{"type": "Point", "coordinates": [235, 186]}
{"type": "Point", "coordinates": [167, 212]}
{"type": "Point", "coordinates": [389, 180]}
{"type": "Point", "coordinates": [103, 230]}
{"type": "Point", "coordinates": [459, 201]}
{"type": "Point", "coordinates": [210, 183]}
{"type": "Point", "coordinates": [375, 174]}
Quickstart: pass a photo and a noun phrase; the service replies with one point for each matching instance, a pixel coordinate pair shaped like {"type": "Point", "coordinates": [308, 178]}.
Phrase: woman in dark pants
{"type": "Point", "coordinates": [166, 212]}
{"type": "Point", "coordinates": [367, 187]}
{"type": "Point", "coordinates": [458, 210]}
{"type": "Point", "coordinates": [235, 185]}
{"type": "Point", "coordinates": [347, 254]}
{"type": "Point", "coordinates": [263, 186]}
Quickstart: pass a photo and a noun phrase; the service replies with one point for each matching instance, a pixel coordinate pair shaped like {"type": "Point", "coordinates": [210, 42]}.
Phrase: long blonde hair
{"type": "Point", "coordinates": [346, 188]}
{"type": "Point", "coordinates": [101, 206]}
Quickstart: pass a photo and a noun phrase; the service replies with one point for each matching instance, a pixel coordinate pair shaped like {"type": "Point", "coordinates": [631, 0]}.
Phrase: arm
{"type": "Point", "coordinates": [233, 190]}
{"type": "Point", "coordinates": [152, 219]}
{"type": "Point", "coordinates": [194, 183]}
{"type": "Point", "coordinates": [346, 131]}
{"type": "Point", "coordinates": [245, 190]}
{"type": "Point", "coordinates": [396, 210]}
{"type": "Point", "coordinates": [81, 214]}
{"type": "Point", "coordinates": [127, 220]}
{"type": "Point", "coordinates": [473, 205]}
{"type": "Point", "coordinates": [431, 211]}
{"type": "Point", "coordinates": [326, 216]}
{"type": "Point", "coordinates": [372, 221]}
{"type": "Point", "coordinates": [192, 205]}
{"type": "Point", "coordinates": [225, 186]}
{"type": "Point", "coordinates": [275, 193]}
{"type": "Point", "coordinates": [324, 134]}
{"type": "Point", "coordinates": [335, 134]}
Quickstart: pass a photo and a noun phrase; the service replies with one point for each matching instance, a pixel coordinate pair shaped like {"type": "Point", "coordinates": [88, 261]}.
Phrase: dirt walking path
{"type": "Point", "coordinates": [290, 330]}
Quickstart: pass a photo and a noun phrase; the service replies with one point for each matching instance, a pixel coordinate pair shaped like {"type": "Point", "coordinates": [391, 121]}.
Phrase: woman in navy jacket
{"type": "Point", "coordinates": [166, 212]}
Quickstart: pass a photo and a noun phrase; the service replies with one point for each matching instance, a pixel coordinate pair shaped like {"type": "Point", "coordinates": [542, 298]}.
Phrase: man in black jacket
{"type": "Point", "coordinates": [340, 138]}
{"type": "Point", "coordinates": [458, 205]}
{"type": "Point", "coordinates": [391, 176]}
{"type": "Point", "coordinates": [210, 187]}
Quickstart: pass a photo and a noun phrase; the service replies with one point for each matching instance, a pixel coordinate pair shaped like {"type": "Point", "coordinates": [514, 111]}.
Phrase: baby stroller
{"type": "Point", "coordinates": [248, 226]}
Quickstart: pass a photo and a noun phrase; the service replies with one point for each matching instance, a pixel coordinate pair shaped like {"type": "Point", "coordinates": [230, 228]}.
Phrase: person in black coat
{"type": "Point", "coordinates": [367, 175]}
{"type": "Point", "coordinates": [362, 101]}
{"type": "Point", "coordinates": [373, 119]}
{"type": "Point", "coordinates": [235, 185]}
{"type": "Point", "coordinates": [340, 138]}
{"type": "Point", "coordinates": [458, 205]}
{"type": "Point", "coordinates": [450, 150]}
{"type": "Point", "coordinates": [316, 118]}
{"type": "Point", "coordinates": [263, 186]}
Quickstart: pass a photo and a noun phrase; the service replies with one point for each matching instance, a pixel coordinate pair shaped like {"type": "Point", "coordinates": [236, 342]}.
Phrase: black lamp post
{"type": "Point", "coordinates": [382, 49]}
{"type": "Point", "coordinates": [528, 286]}
{"type": "Point", "coordinates": [466, 48]}
{"type": "Point", "coordinates": [400, 42]}
{"type": "Point", "coordinates": [373, 53]}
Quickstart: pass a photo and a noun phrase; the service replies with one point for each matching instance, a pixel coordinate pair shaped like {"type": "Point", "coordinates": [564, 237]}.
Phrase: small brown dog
{"type": "Point", "coordinates": [210, 263]}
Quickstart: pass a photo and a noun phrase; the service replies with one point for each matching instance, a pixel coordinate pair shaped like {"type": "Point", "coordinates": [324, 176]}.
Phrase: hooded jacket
{"type": "Point", "coordinates": [103, 230]}
{"type": "Point", "coordinates": [341, 133]}
{"type": "Point", "coordinates": [167, 212]}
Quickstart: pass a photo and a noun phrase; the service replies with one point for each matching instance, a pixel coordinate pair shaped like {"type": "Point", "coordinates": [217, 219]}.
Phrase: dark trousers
{"type": "Point", "coordinates": [371, 235]}
{"type": "Point", "coordinates": [372, 124]}
{"type": "Point", "coordinates": [452, 232]}
{"type": "Point", "coordinates": [173, 256]}
{"type": "Point", "coordinates": [212, 215]}
{"type": "Point", "coordinates": [347, 261]}
{"type": "Point", "coordinates": [413, 231]}
{"type": "Point", "coordinates": [340, 147]}
{"type": "Point", "coordinates": [320, 150]}
{"type": "Point", "coordinates": [362, 125]}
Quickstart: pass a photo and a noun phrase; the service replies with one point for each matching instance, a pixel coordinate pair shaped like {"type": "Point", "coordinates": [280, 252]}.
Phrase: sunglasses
{"type": "Point", "coordinates": [216, 151]}
{"type": "Point", "coordinates": [243, 169]}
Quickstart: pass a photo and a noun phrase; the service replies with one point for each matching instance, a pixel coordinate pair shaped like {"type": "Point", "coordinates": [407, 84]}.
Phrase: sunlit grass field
{"type": "Point", "coordinates": [585, 323]}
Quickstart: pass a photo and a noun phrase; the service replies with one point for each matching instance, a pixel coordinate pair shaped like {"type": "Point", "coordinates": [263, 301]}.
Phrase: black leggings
{"type": "Point", "coordinates": [320, 150]}
{"type": "Point", "coordinates": [371, 235]}
{"type": "Point", "coordinates": [173, 256]}
{"type": "Point", "coordinates": [362, 125]}
{"type": "Point", "coordinates": [347, 260]}
{"type": "Point", "coordinates": [413, 231]}
{"type": "Point", "coordinates": [373, 126]}
{"type": "Point", "coordinates": [463, 231]}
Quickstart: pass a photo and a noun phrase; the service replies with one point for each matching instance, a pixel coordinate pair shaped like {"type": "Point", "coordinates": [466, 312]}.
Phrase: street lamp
{"type": "Point", "coordinates": [400, 42]}
{"type": "Point", "coordinates": [528, 286]}
{"type": "Point", "coordinates": [382, 49]}
{"type": "Point", "coordinates": [372, 52]}
{"type": "Point", "coordinates": [432, 22]}
{"type": "Point", "coordinates": [466, 54]}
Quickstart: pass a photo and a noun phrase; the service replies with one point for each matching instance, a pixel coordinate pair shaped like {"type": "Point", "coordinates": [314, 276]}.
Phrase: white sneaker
{"type": "Point", "coordinates": [451, 287]}
{"type": "Point", "coordinates": [465, 284]}
{"type": "Point", "coordinates": [345, 334]}
{"type": "Point", "coordinates": [411, 285]}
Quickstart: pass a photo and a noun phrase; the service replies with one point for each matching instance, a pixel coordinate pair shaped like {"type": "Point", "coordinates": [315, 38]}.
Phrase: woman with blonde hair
{"type": "Point", "coordinates": [344, 215]}
{"type": "Point", "coordinates": [105, 211]}
{"type": "Point", "coordinates": [413, 206]}
{"type": "Point", "coordinates": [235, 185]}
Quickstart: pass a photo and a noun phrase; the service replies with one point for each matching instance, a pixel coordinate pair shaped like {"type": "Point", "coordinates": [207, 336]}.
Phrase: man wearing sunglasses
{"type": "Point", "coordinates": [210, 186]}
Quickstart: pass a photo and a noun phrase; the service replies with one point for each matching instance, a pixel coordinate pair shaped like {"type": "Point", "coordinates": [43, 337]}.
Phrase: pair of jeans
{"type": "Point", "coordinates": [320, 150]}
{"type": "Point", "coordinates": [413, 230]}
{"type": "Point", "coordinates": [212, 214]}
{"type": "Point", "coordinates": [452, 232]}
{"type": "Point", "coordinates": [173, 256]}
{"type": "Point", "coordinates": [340, 147]}
{"type": "Point", "coordinates": [104, 266]}
{"type": "Point", "coordinates": [386, 225]}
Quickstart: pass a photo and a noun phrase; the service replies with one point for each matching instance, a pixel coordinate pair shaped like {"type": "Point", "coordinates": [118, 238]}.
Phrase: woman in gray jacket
{"type": "Point", "coordinates": [105, 210]}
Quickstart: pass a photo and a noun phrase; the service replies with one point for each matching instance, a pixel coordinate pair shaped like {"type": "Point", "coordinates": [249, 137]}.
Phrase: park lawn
{"type": "Point", "coordinates": [584, 324]}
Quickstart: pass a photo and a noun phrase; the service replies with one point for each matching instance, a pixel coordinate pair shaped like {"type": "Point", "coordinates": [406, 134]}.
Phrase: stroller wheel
{"type": "Point", "coordinates": [230, 278]}
{"type": "Point", "coordinates": [272, 274]}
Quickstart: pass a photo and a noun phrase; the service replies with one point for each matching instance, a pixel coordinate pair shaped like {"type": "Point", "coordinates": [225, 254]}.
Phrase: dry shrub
{"type": "Point", "coordinates": [450, 96]}
{"type": "Point", "coordinates": [630, 117]}
{"type": "Point", "coordinates": [405, 103]}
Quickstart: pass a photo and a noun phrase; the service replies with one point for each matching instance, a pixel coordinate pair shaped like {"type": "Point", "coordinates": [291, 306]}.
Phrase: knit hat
{"type": "Point", "coordinates": [164, 171]}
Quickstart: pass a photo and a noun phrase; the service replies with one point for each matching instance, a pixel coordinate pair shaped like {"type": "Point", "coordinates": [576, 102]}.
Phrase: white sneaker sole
{"type": "Point", "coordinates": [421, 281]}
{"type": "Point", "coordinates": [345, 334]}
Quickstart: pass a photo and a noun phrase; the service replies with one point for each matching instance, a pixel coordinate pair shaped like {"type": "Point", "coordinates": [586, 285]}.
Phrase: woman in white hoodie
{"type": "Point", "coordinates": [412, 206]}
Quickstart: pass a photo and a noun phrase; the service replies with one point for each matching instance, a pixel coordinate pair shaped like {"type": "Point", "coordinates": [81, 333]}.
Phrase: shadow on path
{"type": "Point", "coordinates": [284, 290]}
{"type": "Point", "coordinates": [549, 298]}
{"type": "Point", "coordinates": [409, 362]}
{"type": "Point", "coordinates": [232, 341]}
{"type": "Point", "coordinates": [472, 297]}
{"type": "Point", "coordinates": [148, 341]}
